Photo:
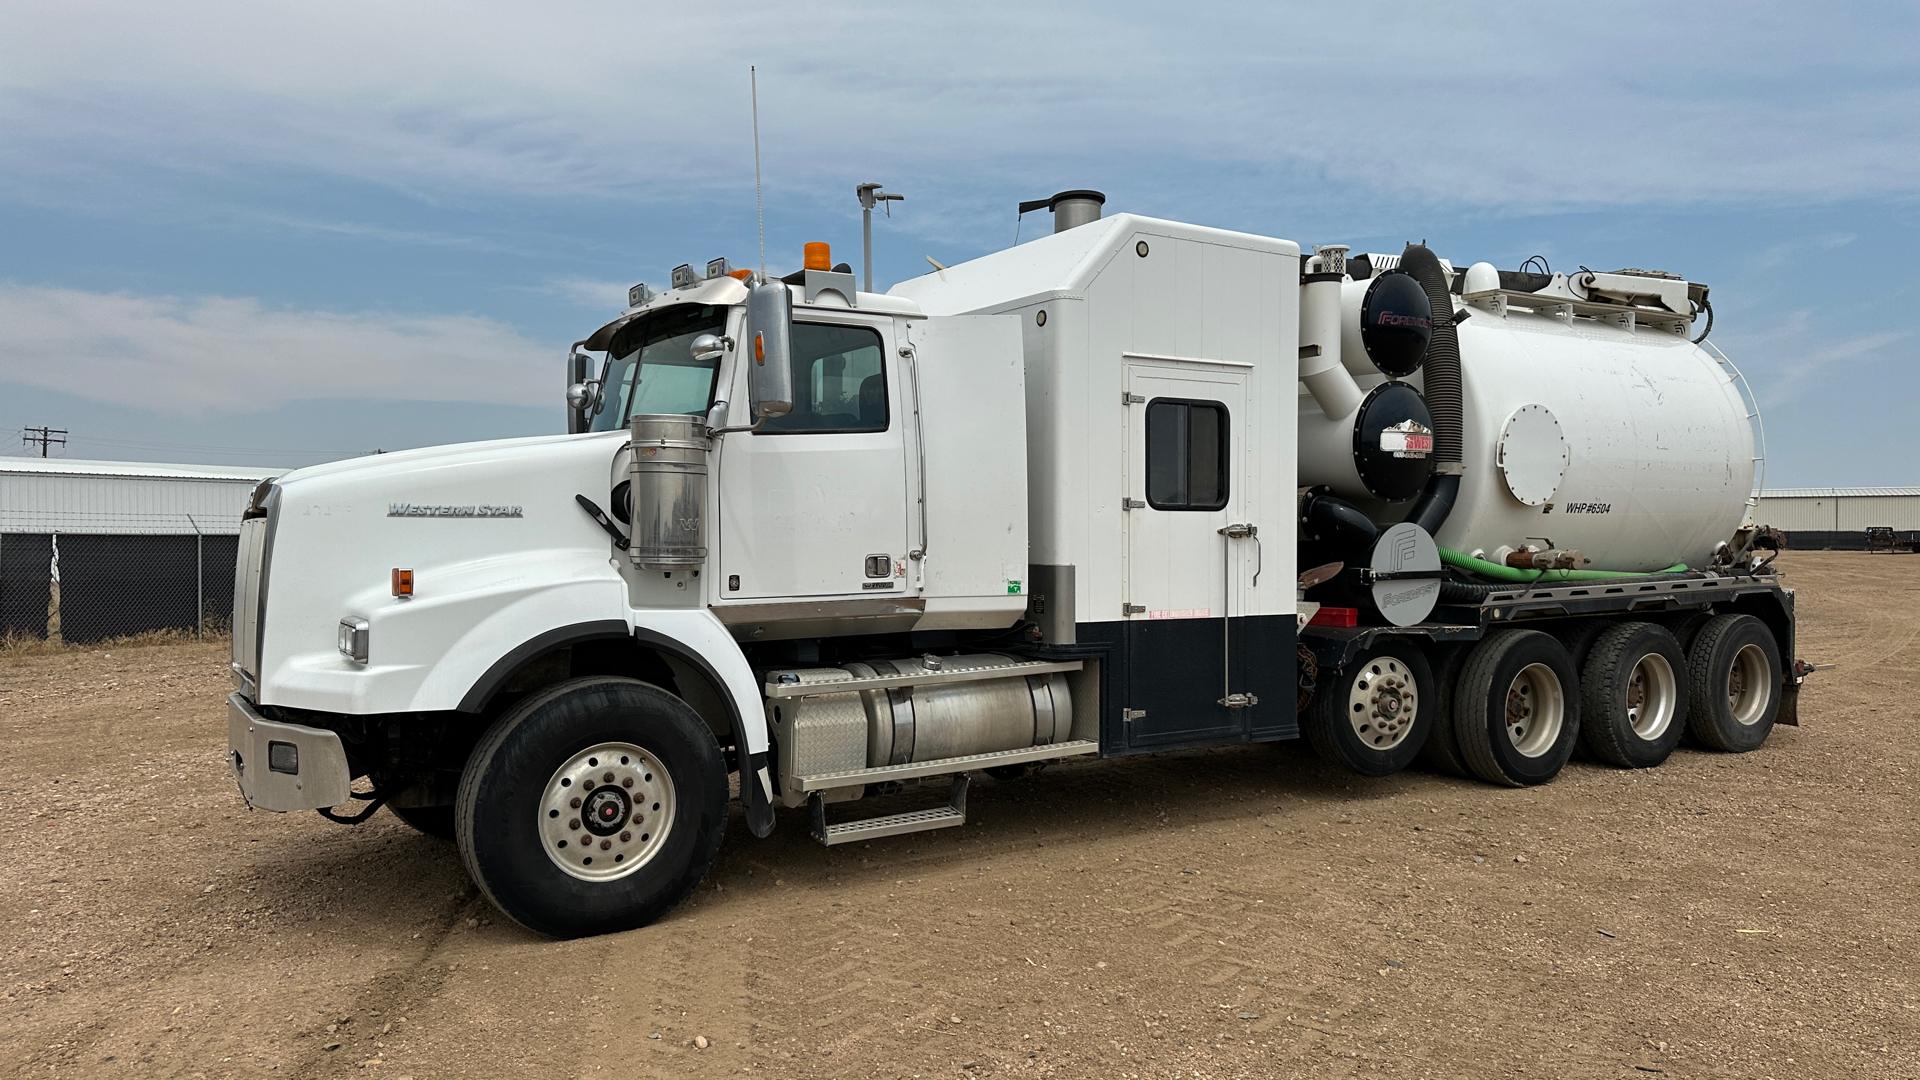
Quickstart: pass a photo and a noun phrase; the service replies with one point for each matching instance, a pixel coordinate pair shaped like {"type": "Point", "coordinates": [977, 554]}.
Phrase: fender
{"type": "Point", "coordinates": [698, 639]}
{"type": "Point", "coordinates": [702, 641]}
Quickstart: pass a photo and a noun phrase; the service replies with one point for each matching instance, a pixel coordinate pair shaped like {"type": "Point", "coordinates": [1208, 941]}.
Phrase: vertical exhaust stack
{"type": "Point", "coordinates": [1071, 209]}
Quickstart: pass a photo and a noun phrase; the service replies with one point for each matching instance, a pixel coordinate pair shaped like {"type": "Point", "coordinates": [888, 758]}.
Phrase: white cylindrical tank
{"type": "Point", "coordinates": [1631, 446]}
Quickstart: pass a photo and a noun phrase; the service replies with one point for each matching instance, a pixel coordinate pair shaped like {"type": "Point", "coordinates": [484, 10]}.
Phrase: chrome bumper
{"type": "Point", "coordinates": [284, 767]}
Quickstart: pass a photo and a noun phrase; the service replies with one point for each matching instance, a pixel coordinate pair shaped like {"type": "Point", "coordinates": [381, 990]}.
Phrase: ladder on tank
{"type": "Point", "coordinates": [1759, 426]}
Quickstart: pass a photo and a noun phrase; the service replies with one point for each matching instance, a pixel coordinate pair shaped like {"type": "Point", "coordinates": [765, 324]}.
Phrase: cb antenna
{"type": "Point", "coordinates": [759, 204]}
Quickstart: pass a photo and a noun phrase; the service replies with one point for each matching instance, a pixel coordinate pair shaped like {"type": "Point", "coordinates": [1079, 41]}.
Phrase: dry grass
{"type": "Point", "coordinates": [14, 645]}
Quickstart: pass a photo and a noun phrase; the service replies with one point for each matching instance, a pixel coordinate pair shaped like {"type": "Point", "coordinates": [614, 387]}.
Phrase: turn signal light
{"type": "Point", "coordinates": [402, 582]}
{"type": "Point", "coordinates": [819, 256]}
{"type": "Point", "coordinates": [1335, 616]}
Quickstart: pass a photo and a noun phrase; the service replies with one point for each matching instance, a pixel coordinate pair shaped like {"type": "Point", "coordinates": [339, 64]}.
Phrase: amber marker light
{"type": "Point", "coordinates": [402, 583]}
{"type": "Point", "coordinates": [819, 256]}
{"type": "Point", "coordinates": [741, 275]}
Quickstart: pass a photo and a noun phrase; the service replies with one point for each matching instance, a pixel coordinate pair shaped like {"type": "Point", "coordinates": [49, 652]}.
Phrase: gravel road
{"type": "Point", "coordinates": [1248, 912]}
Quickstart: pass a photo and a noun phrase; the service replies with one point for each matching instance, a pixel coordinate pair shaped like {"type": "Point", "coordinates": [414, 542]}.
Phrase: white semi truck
{"type": "Point", "coordinates": [1132, 487]}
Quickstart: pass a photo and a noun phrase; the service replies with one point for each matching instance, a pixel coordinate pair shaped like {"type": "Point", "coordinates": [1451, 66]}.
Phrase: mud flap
{"type": "Point", "coordinates": [756, 795]}
{"type": "Point", "coordinates": [1789, 713]}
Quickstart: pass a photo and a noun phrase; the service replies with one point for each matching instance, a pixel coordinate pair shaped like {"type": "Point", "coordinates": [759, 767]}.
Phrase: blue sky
{"type": "Point", "coordinates": [279, 233]}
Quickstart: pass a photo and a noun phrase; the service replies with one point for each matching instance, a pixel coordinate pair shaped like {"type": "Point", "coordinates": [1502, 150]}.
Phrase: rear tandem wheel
{"type": "Point", "coordinates": [1516, 709]}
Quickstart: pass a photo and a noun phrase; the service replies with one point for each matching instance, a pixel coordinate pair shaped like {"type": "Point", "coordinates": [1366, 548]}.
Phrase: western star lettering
{"type": "Point", "coordinates": [480, 510]}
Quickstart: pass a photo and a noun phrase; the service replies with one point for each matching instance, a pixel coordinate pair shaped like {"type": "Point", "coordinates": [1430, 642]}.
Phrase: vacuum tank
{"type": "Point", "coordinates": [1589, 422]}
{"type": "Point", "coordinates": [1630, 446]}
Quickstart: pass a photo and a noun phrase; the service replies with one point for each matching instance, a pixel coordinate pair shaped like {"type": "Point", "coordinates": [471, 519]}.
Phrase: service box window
{"type": "Point", "coordinates": [1186, 454]}
{"type": "Point", "coordinates": [839, 381]}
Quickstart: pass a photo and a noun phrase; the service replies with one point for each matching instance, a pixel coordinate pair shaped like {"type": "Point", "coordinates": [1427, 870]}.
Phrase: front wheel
{"type": "Point", "coordinates": [1374, 715]}
{"type": "Point", "coordinates": [593, 806]}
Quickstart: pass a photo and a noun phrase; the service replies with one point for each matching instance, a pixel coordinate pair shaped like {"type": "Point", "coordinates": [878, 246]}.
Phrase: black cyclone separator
{"type": "Point", "coordinates": [1391, 475]}
{"type": "Point", "coordinates": [1396, 323]}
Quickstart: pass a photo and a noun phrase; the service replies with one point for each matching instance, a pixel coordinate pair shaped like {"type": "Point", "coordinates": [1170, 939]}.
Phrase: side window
{"type": "Point", "coordinates": [839, 381]}
{"type": "Point", "coordinates": [1186, 454]}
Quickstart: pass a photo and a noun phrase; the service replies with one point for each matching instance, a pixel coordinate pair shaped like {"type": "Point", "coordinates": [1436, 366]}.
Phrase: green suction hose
{"type": "Point", "coordinates": [1507, 573]}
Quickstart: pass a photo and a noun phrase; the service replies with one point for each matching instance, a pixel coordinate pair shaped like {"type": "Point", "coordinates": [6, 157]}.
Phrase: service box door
{"type": "Point", "coordinates": [1186, 471]}
{"type": "Point", "coordinates": [815, 503]}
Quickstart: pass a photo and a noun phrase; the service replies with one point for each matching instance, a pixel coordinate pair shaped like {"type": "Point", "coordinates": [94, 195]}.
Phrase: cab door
{"type": "Point", "coordinates": [814, 504]}
{"type": "Point", "coordinates": [1187, 473]}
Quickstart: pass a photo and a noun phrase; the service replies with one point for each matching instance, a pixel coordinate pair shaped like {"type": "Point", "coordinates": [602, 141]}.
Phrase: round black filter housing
{"type": "Point", "coordinates": [1396, 322]}
{"type": "Point", "coordinates": [1393, 442]}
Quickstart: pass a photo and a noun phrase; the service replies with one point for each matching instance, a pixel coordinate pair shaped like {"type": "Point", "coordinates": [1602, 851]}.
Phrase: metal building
{"type": "Point", "coordinates": [93, 550]}
{"type": "Point", "coordinates": [1840, 517]}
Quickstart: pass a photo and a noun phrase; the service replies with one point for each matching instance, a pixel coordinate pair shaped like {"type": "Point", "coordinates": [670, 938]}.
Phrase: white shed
{"type": "Point", "coordinates": [1839, 517]}
{"type": "Point", "coordinates": [97, 550]}
{"type": "Point", "coordinates": [123, 498]}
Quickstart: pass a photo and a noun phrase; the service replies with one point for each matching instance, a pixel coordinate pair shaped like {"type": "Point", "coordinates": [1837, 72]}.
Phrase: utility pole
{"type": "Point", "coordinates": [45, 436]}
{"type": "Point", "coordinates": [871, 195]}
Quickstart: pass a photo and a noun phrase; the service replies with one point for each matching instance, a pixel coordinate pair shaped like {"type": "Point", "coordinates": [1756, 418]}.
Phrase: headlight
{"type": "Point", "coordinates": [353, 639]}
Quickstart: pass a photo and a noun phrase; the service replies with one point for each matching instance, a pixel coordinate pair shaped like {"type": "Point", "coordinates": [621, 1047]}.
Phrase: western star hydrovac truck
{"type": "Point", "coordinates": [1132, 487]}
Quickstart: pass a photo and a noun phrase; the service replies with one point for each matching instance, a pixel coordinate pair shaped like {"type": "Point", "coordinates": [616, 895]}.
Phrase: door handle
{"type": "Point", "coordinates": [1247, 531]}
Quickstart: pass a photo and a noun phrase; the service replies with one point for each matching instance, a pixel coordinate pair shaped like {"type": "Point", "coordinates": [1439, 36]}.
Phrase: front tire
{"type": "Point", "coordinates": [1735, 668]}
{"type": "Point", "coordinates": [1516, 711]}
{"type": "Point", "coordinates": [1633, 706]}
{"type": "Point", "coordinates": [594, 806]}
{"type": "Point", "coordinates": [1374, 715]}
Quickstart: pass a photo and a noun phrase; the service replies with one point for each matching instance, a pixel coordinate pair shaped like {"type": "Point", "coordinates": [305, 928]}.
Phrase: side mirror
{"type": "Point", "coordinates": [708, 347]}
{"type": "Point", "coordinates": [769, 349]}
{"type": "Point", "coordinates": [584, 397]}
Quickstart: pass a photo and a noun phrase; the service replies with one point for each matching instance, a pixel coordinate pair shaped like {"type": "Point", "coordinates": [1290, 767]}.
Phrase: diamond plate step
{"type": "Point", "coordinates": [954, 813]}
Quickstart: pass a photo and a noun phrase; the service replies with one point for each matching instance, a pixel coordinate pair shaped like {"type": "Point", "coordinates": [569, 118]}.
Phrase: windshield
{"type": "Point", "coordinates": [654, 370]}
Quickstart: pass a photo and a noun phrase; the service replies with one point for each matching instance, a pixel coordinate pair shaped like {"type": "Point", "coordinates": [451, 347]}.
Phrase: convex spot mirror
{"type": "Point", "coordinates": [584, 397]}
{"type": "Point", "coordinates": [708, 347]}
{"type": "Point", "coordinates": [769, 349]}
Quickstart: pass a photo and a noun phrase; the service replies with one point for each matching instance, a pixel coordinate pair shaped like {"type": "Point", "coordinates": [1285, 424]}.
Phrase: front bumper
{"type": "Point", "coordinates": [284, 767]}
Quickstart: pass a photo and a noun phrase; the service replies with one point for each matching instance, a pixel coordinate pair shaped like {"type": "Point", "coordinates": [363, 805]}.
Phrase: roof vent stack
{"type": "Point", "coordinates": [1070, 208]}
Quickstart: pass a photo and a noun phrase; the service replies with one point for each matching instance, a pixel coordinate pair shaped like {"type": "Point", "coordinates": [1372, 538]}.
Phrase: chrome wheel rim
{"type": "Point", "coordinates": [1653, 694]}
{"type": "Point", "coordinates": [606, 811]}
{"type": "Point", "coordinates": [1747, 685]}
{"type": "Point", "coordinates": [1536, 710]}
{"type": "Point", "coordinates": [1382, 702]}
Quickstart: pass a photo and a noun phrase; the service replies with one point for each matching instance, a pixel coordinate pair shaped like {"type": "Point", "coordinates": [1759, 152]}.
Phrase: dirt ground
{"type": "Point", "coordinates": [1243, 912]}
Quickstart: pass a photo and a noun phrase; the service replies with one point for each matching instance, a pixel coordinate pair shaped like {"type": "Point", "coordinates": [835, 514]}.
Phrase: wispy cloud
{"type": "Point", "coordinates": [207, 355]}
{"type": "Point", "coordinates": [442, 101]}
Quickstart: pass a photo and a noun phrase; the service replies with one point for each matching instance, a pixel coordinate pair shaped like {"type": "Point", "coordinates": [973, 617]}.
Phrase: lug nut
{"type": "Point", "coordinates": [628, 782]}
{"type": "Point", "coordinates": [605, 844]}
{"type": "Point", "coordinates": [626, 837]}
{"type": "Point", "coordinates": [609, 778]}
{"type": "Point", "coordinates": [575, 803]}
{"type": "Point", "coordinates": [573, 823]}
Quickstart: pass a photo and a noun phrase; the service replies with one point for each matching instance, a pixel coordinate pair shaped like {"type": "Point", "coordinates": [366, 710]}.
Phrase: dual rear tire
{"type": "Point", "coordinates": [1517, 704]}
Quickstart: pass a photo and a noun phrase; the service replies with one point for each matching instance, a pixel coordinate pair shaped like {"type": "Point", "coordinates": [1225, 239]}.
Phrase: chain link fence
{"type": "Point", "coordinates": [84, 588]}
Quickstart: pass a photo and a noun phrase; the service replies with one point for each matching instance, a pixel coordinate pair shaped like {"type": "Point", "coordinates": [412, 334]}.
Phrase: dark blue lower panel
{"type": "Point", "coordinates": [1172, 670]}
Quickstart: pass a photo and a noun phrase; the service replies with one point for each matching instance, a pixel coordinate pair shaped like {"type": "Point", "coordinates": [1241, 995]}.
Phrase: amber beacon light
{"type": "Point", "coordinates": [819, 256]}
